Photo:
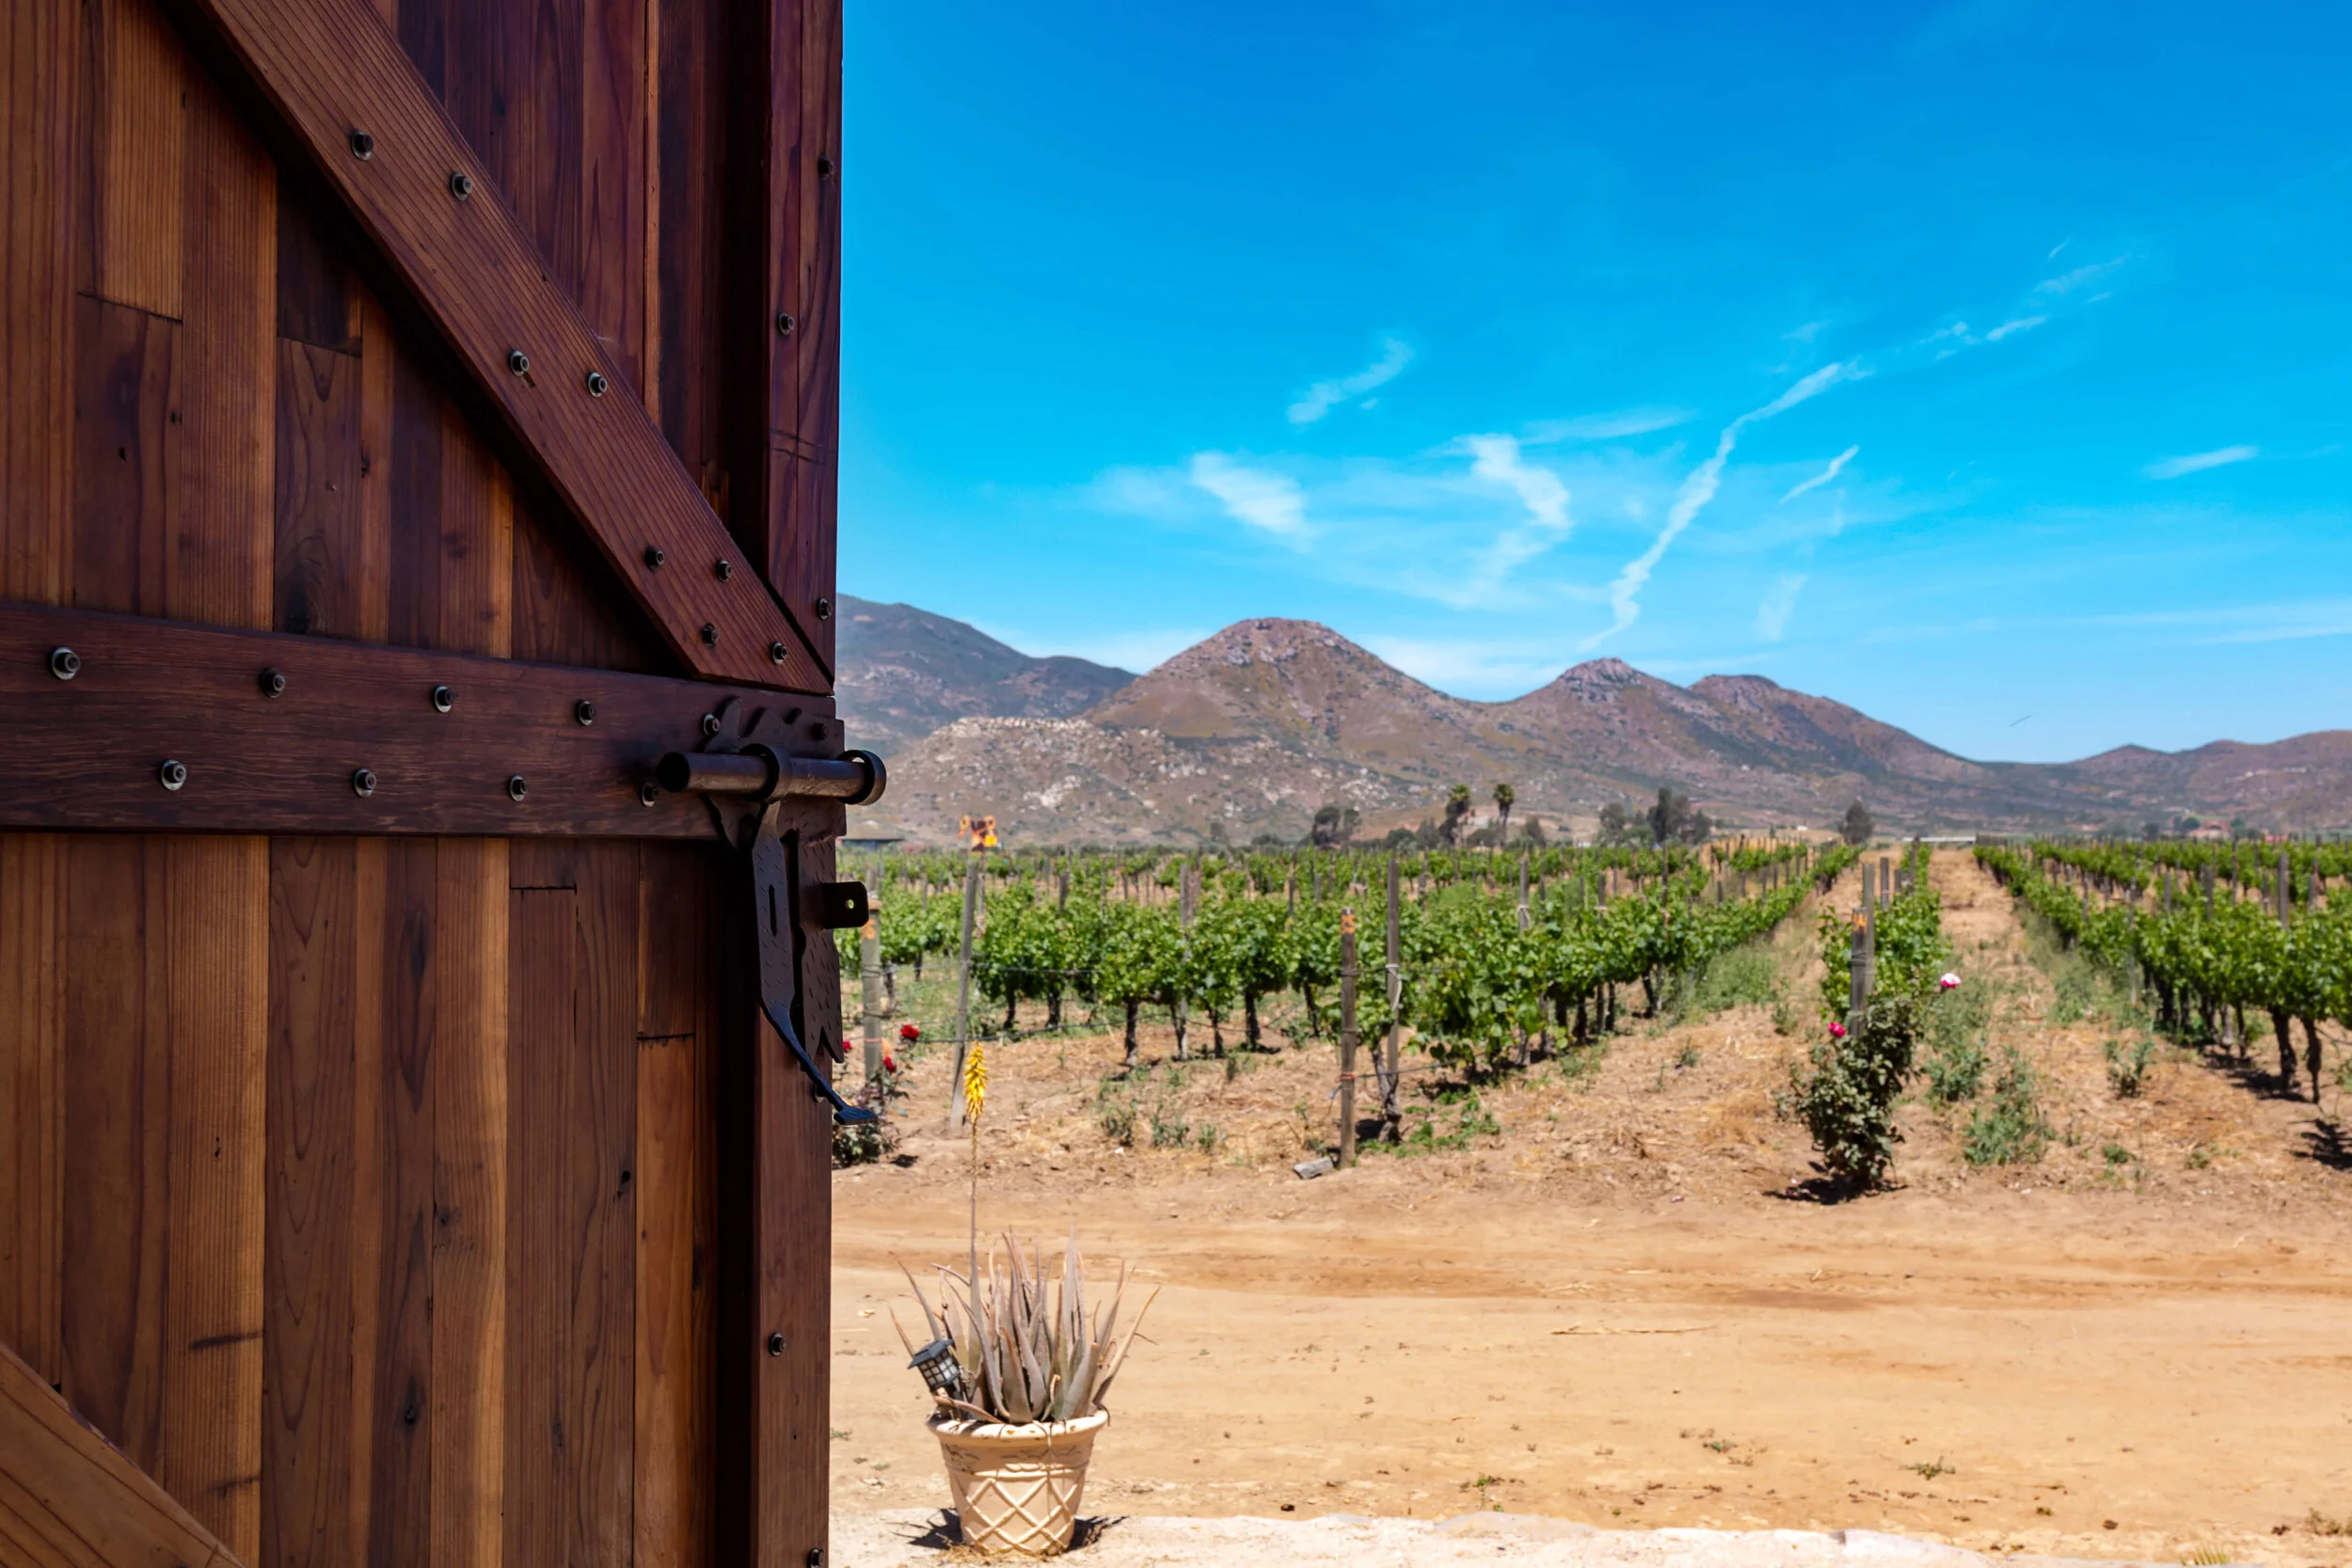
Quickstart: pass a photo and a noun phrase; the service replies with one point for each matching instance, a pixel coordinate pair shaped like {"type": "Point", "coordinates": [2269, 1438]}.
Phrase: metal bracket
{"type": "Point", "coordinates": [744, 771]}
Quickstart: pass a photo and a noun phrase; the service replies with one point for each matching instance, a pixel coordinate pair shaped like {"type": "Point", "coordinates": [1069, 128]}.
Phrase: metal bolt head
{"type": "Point", "coordinates": [442, 698]}
{"type": "Point", "coordinates": [711, 725]}
{"type": "Point", "coordinates": [362, 146]}
{"type": "Point", "coordinates": [784, 324]}
{"type": "Point", "coordinates": [516, 789]}
{"type": "Point", "coordinates": [654, 556]}
{"type": "Point", "coordinates": [64, 663]}
{"type": "Point", "coordinates": [710, 635]}
{"type": "Point", "coordinates": [824, 609]}
{"type": "Point", "coordinates": [596, 383]}
{"type": "Point", "coordinates": [363, 781]}
{"type": "Point", "coordinates": [586, 711]}
{"type": "Point", "coordinates": [518, 361]}
{"type": "Point", "coordinates": [775, 1344]}
{"type": "Point", "coordinates": [649, 794]}
{"type": "Point", "coordinates": [273, 683]}
{"type": "Point", "coordinates": [172, 775]}
{"type": "Point", "coordinates": [776, 653]}
{"type": "Point", "coordinates": [460, 184]}
{"type": "Point", "coordinates": [723, 567]}
{"type": "Point", "coordinates": [824, 167]}
{"type": "Point", "coordinates": [816, 1557]}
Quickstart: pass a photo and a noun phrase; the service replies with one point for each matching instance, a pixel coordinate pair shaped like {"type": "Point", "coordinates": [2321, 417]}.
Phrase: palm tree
{"type": "Point", "coordinates": [1504, 798]}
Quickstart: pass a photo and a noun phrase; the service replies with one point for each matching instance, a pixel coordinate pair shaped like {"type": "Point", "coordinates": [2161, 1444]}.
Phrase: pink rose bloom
{"type": "Point", "coordinates": [1837, 1031]}
{"type": "Point", "coordinates": [1949, 981]}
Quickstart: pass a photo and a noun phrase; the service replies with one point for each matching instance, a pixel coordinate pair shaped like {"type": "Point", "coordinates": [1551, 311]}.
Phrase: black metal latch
{"type": "Point", "coordinates": [746, 777]}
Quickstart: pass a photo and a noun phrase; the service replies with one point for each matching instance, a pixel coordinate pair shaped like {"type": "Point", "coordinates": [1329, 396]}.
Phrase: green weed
{"type": "Point", "coordinates": [2010, 1131]}
{"type": "Point", "coordinates": [2127, 1065]}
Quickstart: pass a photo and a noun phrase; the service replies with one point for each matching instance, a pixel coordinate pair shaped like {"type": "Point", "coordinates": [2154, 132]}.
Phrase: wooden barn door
{"type": "Point", "coordinates": [416, 417]}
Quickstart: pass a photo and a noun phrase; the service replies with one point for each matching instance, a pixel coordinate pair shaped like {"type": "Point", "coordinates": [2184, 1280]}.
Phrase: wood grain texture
{"type": "Point", "coordinates": [162, 1273]}
{"type": "Point", "coordinates": [317, 1006]}
{"type": "Point", "coordinates": [471, 1256]}
{"type": "Point", "coordinates": [325, 561]}
{"type": "Point", "coordinates": [796, 1394]}
{"type": "Point", "coordinates": [132, 251]}
{"type": "Point", "coordinates": [84, 753]}
{"type": "Point", "coordinates": [574, 941]}
{"type": "Point", "coordinates": [40, 78]}
{"type": "Point", "coordinates": [32, 1098]}
{"type": "Point", "coordinates": [781, 106]}
{"type": "Point", "coordinates": [393, 1289]}
{"type": "Point", "coordinates": [71, 1499]}
{"type": "Point", "coordinates": [478, 277]}
{"type": "Point", "coordinates": [209, 1452]}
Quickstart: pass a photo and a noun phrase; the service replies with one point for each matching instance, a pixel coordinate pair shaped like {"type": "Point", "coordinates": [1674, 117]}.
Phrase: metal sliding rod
{"type": "Point", "coordinates": [761, 773]}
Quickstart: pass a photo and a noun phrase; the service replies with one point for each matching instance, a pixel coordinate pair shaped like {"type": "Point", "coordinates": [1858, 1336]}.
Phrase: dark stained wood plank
{"type": "Point", "coordinates": [124, 397]}
{"type": "Point", "coordinates": [118, 1151]}
{"type": "Point", "coordinates": [41, 55]}
{"type": "Point", "coordinates": [327, 67]}
{"type": "Point", "coordinates": [541, 934]}
{"type": "Point", "coordinates": [472, 1110]}
{"type": "Point", "coordinates": [615, 68]}
{"type": "Point", "coordinates": [565, 615]}
{"type": "Point", "coordinates": [32, 1097]}
{"type": "Point", "coordinates": [393, 1289]}
{"type": "Point", "coordinates": [316, 1005]}
{"type": "Point", "coordinates": [601, 1375]}
{"type": "Point", "coordinates": [687, 359]}
{"type": "Point", "coordinates": [797, 1392]}
{"type": "Point", "coordinates": [451, 554]}
{"type": "Point", "coordinates": [325, 553]}
{"type": "Point", "coordinates": [84, 753]}
{"type": "Point", "coordinates": [222, 471]}
{"type": "Point", "coordinates": [775, 1223]}
{"type": "Point", "coordinates": [672, 1374]}
{"type": "Point", "coordinates": [133, 250]}
{"type": "Point", "coordinates": [215, 1011]}
{"type": "Point", "coordinates": [71, 1499]}
{"type": "Point", "coordinates": [801, 555]}
{"type": "Point", "coordinates": [574, 943]}
{"type": "Point", "coordinates": [318, 297]}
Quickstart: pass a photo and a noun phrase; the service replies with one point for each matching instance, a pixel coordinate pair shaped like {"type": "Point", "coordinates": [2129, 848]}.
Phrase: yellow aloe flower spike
{"type": "Point", "coordinates": [975, 1082]}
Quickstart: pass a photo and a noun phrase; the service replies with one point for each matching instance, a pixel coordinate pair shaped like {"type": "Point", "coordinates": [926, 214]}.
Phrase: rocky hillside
{"type": "Point", "coordinates": [906, 672]}
{"type": "Point", "coordinates": [1251, 730]}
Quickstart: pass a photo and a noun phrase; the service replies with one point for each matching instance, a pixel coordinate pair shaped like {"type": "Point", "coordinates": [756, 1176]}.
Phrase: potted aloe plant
{"type": "Point", "coordinates": [1018, 1370]}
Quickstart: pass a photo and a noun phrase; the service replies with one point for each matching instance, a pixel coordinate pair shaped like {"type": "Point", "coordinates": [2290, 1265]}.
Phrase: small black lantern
{"type": "Point", "coordinates": [936, 1361]}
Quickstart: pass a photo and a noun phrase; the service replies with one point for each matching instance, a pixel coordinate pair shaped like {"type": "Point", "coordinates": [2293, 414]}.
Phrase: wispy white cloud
{"type": "Point", "coordinates": [1697, 490]}
{"type": "Point", "coordinates": [1497, 458]}
{"type": "Point", "coordinates": [2021, 324]}
{"type": "Point", "coordinates": [1772, 616]}
{"type": "Point", "coordinates": [1837, 466]}
{"type": "Point", "coordinates": [1258, 497]}
{"type": "Point", "coordinates": [1605, 427]}
{"type": "Point", "coordinates": [2088, 275]}
{"type": "Point", "coordinates": [1324, 396]}
{"type": "Point", "coordinates": [2197, 462]}
{"type": "Point", "coordinates": [1476, 667]}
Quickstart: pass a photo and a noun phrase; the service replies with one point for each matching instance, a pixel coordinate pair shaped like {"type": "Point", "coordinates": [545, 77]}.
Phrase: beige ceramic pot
{"type": "Point", "coordinates": [1017, 1487]}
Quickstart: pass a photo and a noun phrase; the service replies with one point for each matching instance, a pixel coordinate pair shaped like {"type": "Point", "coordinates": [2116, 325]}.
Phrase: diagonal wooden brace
{"type": "Point", "coordinates": [340, 83]}
{"type": "Point", "coordinates": [68, 1496]}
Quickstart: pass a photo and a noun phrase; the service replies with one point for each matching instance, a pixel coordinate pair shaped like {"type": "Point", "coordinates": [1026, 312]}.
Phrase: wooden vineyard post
{"type": "Point", "coordinates": [1389, 1116]}
{"type": "Point", "coordinates": [1184, 924]}
{"type": "Point", "coordinates": [963, 988]}
{"type": "Point", "coordinates": [1347, 1038]}
{"type": "Point", "coordinates": [1863, 962]}
{"type": "Point", "coordinates": [2286, 889]}
{"type": "Point", "coordinates": [1524, 920]}
{"type": "Point", "coordinates": [869, 983]}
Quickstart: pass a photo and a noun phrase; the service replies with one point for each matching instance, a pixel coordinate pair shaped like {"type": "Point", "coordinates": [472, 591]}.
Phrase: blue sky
{"type": "Point", "coordinates": [1986, 366]}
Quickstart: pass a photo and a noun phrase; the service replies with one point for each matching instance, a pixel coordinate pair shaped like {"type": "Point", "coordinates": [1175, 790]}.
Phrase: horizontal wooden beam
{"type": "Point", "coordinates": [343, 91]}
{"type": "Point", "coordinates": [90, 751]}
{"type": "Point", "coordinates": [71, 1499]}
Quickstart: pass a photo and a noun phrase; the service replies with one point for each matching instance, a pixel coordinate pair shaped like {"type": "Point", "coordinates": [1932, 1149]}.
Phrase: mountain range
{"type": "Point", "coordinates": [1250, 731]}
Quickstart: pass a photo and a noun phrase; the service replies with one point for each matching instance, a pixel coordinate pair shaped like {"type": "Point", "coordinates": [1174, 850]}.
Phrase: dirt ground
{"type": "Point", "coordinates": [1619, 1308]}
